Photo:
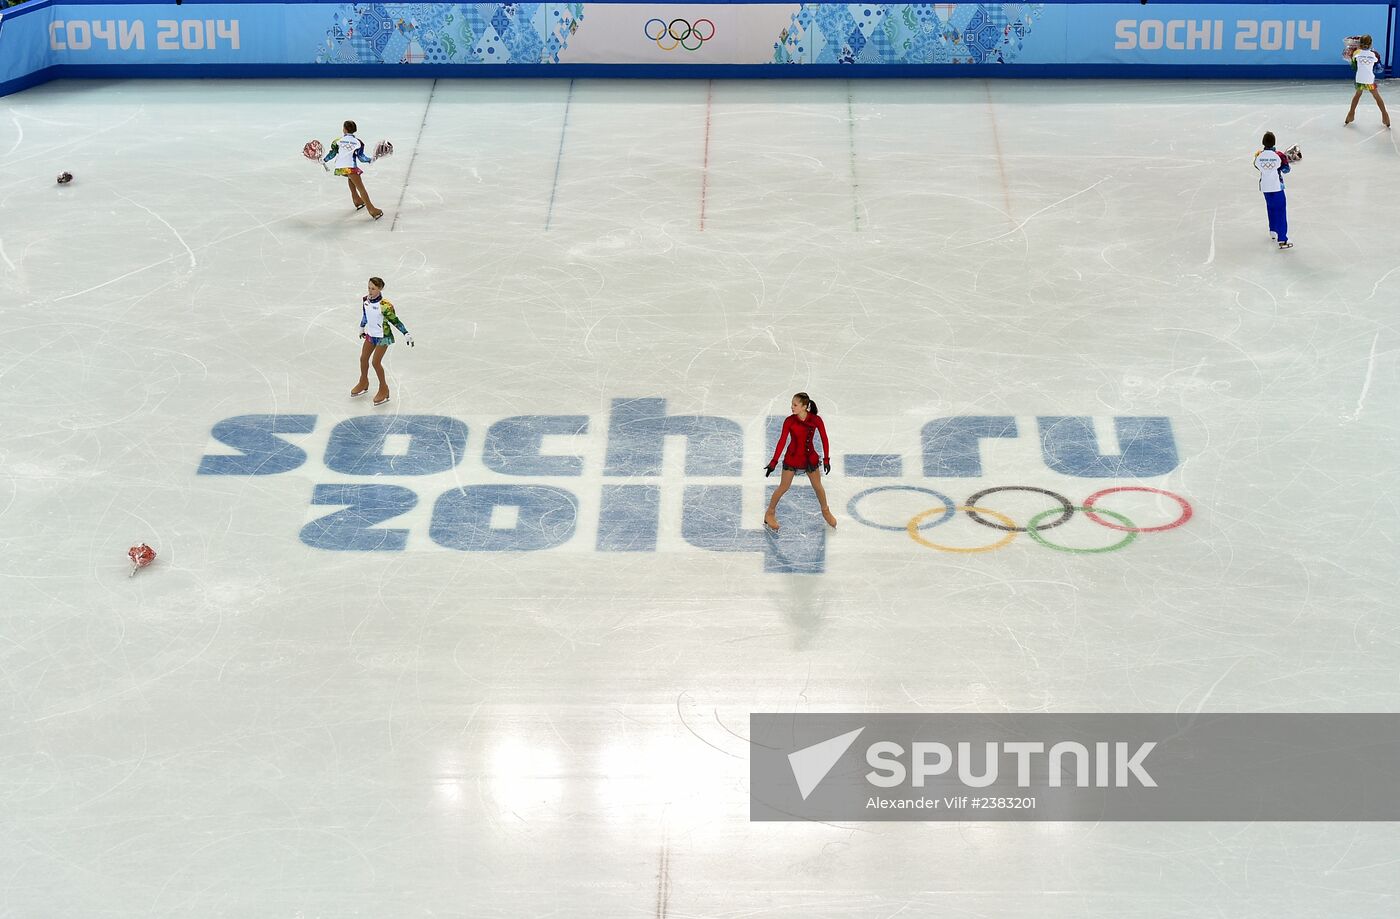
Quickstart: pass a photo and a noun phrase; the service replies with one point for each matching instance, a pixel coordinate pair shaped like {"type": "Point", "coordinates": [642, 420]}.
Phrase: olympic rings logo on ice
{"type": "Point", "coordinates": [1035, 527]}
{"type": "Point", "coordinates": [679, 33]}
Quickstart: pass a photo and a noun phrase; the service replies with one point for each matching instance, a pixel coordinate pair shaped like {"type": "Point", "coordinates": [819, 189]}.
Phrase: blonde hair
{"type": "Point", "coordinates": [1366, 41]}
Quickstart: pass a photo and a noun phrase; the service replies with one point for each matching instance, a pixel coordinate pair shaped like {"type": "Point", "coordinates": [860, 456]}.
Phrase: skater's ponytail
{"type": "Point", "coordinates": [807, 401]}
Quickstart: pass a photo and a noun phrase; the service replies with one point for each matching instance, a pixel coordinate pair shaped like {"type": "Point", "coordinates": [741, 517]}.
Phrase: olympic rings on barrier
{"type": "Point", "coordinates": [680, 33]}
{"type": "Point", "coordinates": [1035, 526]}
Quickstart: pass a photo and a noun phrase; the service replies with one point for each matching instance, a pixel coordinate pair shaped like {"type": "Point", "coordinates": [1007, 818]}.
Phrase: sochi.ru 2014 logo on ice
{"type": "Point", "coordinates": [524, 488]}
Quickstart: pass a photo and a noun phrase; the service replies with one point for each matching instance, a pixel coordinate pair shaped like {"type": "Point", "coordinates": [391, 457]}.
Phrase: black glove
{"type": "Point", "coordinates": [770, 470]}
{"type": "Point", "coordinates": [826, 467]}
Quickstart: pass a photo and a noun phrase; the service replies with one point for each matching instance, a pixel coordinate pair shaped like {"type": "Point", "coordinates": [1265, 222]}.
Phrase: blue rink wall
{"type": "Point", "coordinates": [49, 39]}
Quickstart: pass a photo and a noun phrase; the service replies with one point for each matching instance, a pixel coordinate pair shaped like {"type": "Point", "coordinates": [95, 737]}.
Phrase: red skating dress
{"type": "Point", "coordinates": [802, 454]}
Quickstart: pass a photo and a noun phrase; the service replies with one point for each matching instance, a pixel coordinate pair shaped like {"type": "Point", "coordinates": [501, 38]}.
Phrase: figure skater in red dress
{"type": "Point", "coordinates": [800, 426]}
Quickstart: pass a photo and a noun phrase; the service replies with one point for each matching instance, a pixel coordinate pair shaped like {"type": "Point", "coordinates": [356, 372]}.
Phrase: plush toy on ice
{"type": "Point", "coordinates": [140, 556]}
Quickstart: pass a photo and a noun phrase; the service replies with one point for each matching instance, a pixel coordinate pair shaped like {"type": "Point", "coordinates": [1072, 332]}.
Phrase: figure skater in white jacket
{"type": "Point", "coordinates": [348, 153]}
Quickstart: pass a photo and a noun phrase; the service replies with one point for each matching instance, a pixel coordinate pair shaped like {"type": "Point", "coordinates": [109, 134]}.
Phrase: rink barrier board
{"type": "Point", "coordinates": [114, 39]}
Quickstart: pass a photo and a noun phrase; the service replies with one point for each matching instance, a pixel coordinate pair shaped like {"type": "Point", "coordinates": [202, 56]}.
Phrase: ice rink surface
{"type": "Point", "coordinates": [530, 695]}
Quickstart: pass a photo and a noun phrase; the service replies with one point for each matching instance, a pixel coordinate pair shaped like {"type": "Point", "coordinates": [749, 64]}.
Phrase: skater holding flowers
{"type": "Point", "coordinates": [1365, 61]}
{"type": "Point", "coordinates": [346, 155]}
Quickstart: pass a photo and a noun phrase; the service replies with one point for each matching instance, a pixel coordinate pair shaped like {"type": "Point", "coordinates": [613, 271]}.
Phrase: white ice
{"type": "Point", "coordinates": [253, 727]}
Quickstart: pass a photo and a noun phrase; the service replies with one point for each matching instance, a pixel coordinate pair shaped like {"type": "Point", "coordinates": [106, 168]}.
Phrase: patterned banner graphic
{"type": "Point", "coordinates": [640, 39]}
{"type": "Point", "coordinates": [906, 33]}
{"type": "Point", "coordinates": [450, 33]}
